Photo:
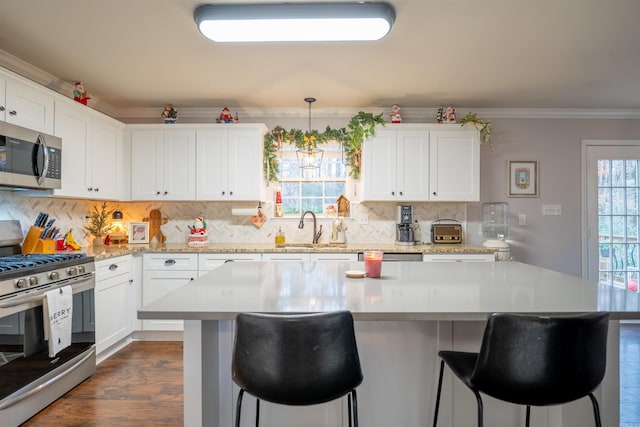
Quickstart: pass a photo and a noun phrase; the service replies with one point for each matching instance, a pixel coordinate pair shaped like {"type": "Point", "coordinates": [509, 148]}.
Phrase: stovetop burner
{"type": "Point", "coordinates": [21, 262]}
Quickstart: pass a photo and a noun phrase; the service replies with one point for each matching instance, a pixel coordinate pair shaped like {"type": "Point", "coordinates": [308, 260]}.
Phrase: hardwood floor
{"type": "Point", "coordinates": [140, 385]}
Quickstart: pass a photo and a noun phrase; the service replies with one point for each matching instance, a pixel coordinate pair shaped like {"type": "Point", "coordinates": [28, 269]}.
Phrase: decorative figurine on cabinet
{"type": "Point", "coordinates": [198, 232]}
{"type": "Point", "coordinates": [450, 115]}
{"type": "Point", "coordinates": [169, 114]}
{"type": "Point", "coordinates": [440, 114]}
{"type": "Point", "coordinates": [395, 114]}
{"type": "Point", "coordinates": [80, 94]}
{"type": "Point", "coordinates": [225, 116]}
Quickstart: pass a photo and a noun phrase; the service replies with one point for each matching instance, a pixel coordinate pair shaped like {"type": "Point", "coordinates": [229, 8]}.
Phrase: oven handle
{"type": "Point", "coordinates": [40, 295]}
{"type": "Point", "coordinates": [10, 402]}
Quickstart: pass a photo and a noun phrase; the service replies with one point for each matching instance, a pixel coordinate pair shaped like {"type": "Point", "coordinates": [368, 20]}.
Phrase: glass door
{"type": "Point", "coordinates": [613, 215]}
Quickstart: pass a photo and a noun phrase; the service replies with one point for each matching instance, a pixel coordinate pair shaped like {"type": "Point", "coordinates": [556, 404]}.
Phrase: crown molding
{"type": "Point", "coordinates": [204, 115]}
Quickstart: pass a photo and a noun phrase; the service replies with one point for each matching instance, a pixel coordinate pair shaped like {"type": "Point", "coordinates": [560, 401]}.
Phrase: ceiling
{"type": "Point", "coordinates": [467, 53]}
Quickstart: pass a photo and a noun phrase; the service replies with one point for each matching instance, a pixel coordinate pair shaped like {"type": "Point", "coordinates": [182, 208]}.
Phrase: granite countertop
{"type": "Point", "coordinates": [123, 249]}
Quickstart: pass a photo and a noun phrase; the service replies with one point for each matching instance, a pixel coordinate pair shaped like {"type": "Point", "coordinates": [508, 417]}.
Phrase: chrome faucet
{"type": "Point", "coordinates": [316, 235]}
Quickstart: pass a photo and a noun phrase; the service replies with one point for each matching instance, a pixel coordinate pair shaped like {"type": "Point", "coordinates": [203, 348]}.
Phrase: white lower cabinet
{"type": "Point", "coordinates": [208, 262]}
{"type": "Point", "coordinates": [285, 256]}
{"type": "Point", "coordinates": [161, 274]}
{"type": "Point", "coordinates": [458, 257]}
{"type": "Point", "coordinates": [342, 256]}
{"type": "Point", "coordinates": [114, 301]}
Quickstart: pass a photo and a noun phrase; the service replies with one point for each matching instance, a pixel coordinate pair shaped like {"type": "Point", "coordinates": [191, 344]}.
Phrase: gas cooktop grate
{"type": "Point", "coordinates": [20, 262]}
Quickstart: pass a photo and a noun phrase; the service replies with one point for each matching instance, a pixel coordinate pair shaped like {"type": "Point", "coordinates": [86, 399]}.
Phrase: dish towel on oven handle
{"type": "Point", "coordinates": [58, 310]}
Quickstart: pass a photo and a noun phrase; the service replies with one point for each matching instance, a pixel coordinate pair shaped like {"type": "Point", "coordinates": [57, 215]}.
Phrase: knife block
{"type": "Point", "coordinates": [33, 244]}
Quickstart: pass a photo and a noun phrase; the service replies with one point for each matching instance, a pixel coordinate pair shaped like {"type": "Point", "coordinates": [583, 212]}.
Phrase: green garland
{"type": "Point", "coordinates": [361, 126]}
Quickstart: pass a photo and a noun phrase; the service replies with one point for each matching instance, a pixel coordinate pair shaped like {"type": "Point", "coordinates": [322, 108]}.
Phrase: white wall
{"type": "Point", "coordinates": [552, 242]}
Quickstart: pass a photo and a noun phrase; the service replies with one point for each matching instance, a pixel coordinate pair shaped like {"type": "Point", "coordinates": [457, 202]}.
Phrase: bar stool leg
{"type": "Point", "coordinates": [257, 412]}
{"type": "Point", "coordinates": [435, 414]}
{"type": "Point", "coordinates": [239, 407]}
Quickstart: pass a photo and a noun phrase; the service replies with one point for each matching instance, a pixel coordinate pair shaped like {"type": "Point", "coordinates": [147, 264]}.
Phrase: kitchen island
{"type": "Point", "coordinates": [402, 320]}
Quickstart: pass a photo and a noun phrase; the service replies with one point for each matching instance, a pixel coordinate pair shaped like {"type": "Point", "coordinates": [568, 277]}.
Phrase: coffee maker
{"type": "Point", "coordinates": [404, 225]}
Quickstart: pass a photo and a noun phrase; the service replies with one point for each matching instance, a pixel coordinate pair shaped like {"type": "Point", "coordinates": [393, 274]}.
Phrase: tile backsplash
{"type": "Point", "coordinates": [222, 226]}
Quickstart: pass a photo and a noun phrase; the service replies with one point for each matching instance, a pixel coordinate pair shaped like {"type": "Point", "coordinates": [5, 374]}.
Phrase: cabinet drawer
{"type": "Point", "coordinates": [207, 262]}
{"type": "Point", "coordinates": [112, 267]}
{"type": "Point", "coordinates": [170, 262]}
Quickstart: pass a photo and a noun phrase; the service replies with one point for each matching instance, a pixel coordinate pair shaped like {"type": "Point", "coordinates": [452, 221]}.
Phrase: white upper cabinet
{"type": "Point", "coordinates": [26, 104]}
{"type": "Point", "coordinates": [454, 166]}
{"type": "Point", "coordinates": [163, 163]}
{"type": "Point", "coordinates": [229, 162]}
{"type": "Point", "coordinates": [420, 163]}
{"type": "Point", "coordinates": [395, 165]}
{"type": "Point", "coordinates": [93, 159]}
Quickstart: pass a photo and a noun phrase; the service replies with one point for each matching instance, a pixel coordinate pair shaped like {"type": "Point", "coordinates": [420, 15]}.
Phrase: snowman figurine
{"type": "Point", "coordinates": [395, 114]}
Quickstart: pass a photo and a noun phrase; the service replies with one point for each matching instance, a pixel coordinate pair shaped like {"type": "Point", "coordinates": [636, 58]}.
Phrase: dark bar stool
{"type": "Point", "coordinates": [534, 361]}
{"type": "Point", "coordinates": [299, 360]}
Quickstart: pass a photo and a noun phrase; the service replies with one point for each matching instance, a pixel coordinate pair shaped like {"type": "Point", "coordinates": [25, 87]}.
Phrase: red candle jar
{"type": "Point", "coordinates": [372, 263]}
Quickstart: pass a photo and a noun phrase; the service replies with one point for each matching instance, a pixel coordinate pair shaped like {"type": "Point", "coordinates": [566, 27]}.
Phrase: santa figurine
{"type": "Point", "coordinates": [198, 232]}
{"type": "Point", "coordinates": [225, 116]}
{"type": "Point", "coordinates": [450, 115]}
{"type": "Point", "coordinates": [80, 94]}
{"type": "Point", "coordinates": [395, 114]}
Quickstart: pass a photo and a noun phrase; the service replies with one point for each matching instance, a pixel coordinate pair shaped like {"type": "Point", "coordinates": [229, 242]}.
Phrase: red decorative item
{"type": "Point", "coordinates": [80, 94]}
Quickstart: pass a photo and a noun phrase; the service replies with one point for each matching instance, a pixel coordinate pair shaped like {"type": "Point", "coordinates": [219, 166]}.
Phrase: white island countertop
{"type": "Point", "coordinates": [406, 291]}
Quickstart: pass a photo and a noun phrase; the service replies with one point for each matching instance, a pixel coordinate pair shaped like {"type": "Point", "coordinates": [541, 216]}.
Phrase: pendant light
{"type": "Point", "coordinates": [309, 156]}
{"type": "Point", "coordinates": [294, 22]}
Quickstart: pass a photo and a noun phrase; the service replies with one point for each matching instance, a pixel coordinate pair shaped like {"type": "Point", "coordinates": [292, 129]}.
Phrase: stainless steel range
{"type": "Point", "coordinates": [30, 379]}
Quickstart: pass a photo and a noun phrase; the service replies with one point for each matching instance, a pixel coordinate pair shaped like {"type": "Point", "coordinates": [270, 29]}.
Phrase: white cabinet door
{"type": "Point", "coordinates": [454, 165]}
{"type": "Point", "coordinates": [146, 164]}
{"type": "Point", "coordinates": [379, 166]}
{"type": "Point", "coordinates": [179, 165]}
{"type": "Point", "coordinates": [93, 160]}
{"type": "Point", "coordinates": [28, 105]}
{"type": "Point", "coordinates": [107, 158]}
{"type": "Point", "coordinates": [459, 257]}
{"type": "Point", "coordinates": [288, 256]}
{"type": "Point", "coordinates": [113, 301]}
{"type": "Point", "coordinates": [412, 165]}
{"type": "Point", "coordinates": [163, 273]}
{"type": "Point", "coordinates": [245, 164]}
{"type": "Point", "coordinates": [396, 165]}
{"type": "Point", "coordinates": [229, 163]}
{"type": "Point", "coordinates": [208, 262]}
{"type": "Point", "coordinates": [350, 257]}
{"type": "Point", "coordinates": [212, 164]}
{"type": "Point", "coordinates": [163, 164]}
{"type": "Point", "coordinates": [75, 129]}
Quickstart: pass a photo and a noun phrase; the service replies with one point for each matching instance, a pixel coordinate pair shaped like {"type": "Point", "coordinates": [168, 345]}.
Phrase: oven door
{"type": "Point", "coordinates": [25, 366]}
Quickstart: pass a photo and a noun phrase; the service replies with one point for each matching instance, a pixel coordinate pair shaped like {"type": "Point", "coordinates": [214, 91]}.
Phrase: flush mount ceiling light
{"type": "Point", "coordinates": [277, 22]}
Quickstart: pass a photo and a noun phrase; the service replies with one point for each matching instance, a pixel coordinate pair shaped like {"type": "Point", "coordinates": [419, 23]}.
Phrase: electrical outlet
{"type": "Point", "coordinates": [522, 219]}
{"type": "Point", "coordinates": [551, 209]}
{"type": "Point", "coordinates": [363, 219]}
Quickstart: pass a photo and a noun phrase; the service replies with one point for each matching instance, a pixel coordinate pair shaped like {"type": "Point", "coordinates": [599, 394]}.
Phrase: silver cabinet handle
{"type": "Point", "coordinates": [157, 193]}
{"type": "Point", "coordinates": [1, 108]}
{"type": "Point", "coordinates": [13, 112]}
{"type": "Point", "coordinates": [170, 262]}
{"type": "Point", "coordinates": [113, 267]}
{"type": "Point", "coordinates": [89, 189]}
{"type": "Point", "coordinates": [166, 192]}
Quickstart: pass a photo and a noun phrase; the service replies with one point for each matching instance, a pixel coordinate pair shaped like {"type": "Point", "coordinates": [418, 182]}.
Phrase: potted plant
{"type": "Point", "coordinates": [485, 128]}
{"type": "Point", "coordinates": [99, 223]}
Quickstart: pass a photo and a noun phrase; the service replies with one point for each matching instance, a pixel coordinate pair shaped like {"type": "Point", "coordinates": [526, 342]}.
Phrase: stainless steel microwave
{"type": "Point", "coordinates": [29, 159]}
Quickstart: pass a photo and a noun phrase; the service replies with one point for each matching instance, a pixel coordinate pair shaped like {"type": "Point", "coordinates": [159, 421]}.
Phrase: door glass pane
{"type": "Point", "coordinates": [619, 223]}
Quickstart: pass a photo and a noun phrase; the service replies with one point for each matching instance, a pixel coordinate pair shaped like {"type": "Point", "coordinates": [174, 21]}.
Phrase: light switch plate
{"type": "Point", "coordinates": [522, 219]}
{"type": "Point", "coordinates": [551, 209]}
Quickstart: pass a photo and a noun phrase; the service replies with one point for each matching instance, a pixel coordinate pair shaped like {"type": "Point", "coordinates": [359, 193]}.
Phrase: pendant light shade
{"type": "Point", "coordinates": [310, 156]}
{"type": "Point", "coordinates": [277, 22]}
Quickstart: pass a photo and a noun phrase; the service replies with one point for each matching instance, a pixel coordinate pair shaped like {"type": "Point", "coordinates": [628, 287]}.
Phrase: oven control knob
{"type": "Point", "coordinates": [21, 283]}
{"type": "Point", "coordinates": [72, 271]}
{"type": "Point", "coordinates": [81, 269]}
{"type": "Point", "coordinates": [54, 275]}
{"type": "Point", "coordinates": [33, 280]}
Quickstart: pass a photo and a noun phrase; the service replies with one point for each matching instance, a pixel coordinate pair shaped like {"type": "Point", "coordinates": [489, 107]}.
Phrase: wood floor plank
{"type": "Point", "coordinates": [141, 385]}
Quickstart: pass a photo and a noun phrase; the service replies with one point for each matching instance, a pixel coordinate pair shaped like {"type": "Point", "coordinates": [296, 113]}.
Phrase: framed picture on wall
{"type": "Point", "coordinates": [138, 232]}
{"type": "Point", "coordinates": [524, 179]}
